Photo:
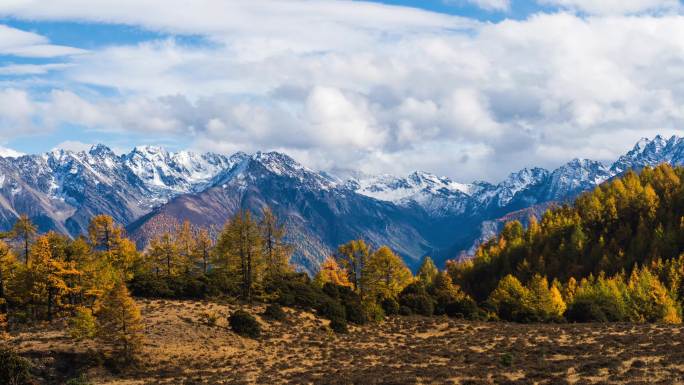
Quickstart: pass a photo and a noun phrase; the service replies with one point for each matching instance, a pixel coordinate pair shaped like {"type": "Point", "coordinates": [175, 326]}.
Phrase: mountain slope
{"type": "Point", "coordinates": [319, 213]}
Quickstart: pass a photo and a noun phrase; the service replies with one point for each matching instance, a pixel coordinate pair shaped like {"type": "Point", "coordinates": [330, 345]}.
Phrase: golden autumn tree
{"type": "Point", "coordinates": [119, 323]}
{"type": "Point", "coordinates": [203, 248]}
{"type": "Point", "coordinates": [7, 262]}
{"type": "Point", "coordinates": [331, 272]}
{"type": "Point", "coordinates": [164, 256]}
{"type": "Point", "coordinates": [48, 276]}
{"type": "Point", "coordinates": [107, 238]}
{"type": "Point", "coordinates": [24, 231]}
{"type": "Point", "coordinates": [275, 251]}
{"type": "Point", "coordinates": [427, 271]}
{"type": "Point", "coordinates": [353, 256]}
{"type": "Point", "coordinates": [385, 275]}
{"type": "Point", "coordinates": [185, 245]}
{"type": "Point", "coordinates": [239, 252]}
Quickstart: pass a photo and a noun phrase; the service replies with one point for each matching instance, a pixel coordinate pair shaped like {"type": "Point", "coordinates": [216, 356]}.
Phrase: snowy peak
{"type": "Point", "coordinates": [264, 165]}
{"type": "Point", "coordinates": [9, 153]}
{"type": "Point", "coordinates": [576, 176]}
{"type": "Point", "coordinates": [414, 187]}
{"type": "Point", "coordinates": [174, 173]}
{"type": "Point", "coordinates": [651, 152]}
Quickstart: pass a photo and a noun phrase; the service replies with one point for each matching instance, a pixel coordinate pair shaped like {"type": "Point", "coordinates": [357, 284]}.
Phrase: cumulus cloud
{"type": "Point", "coordinates": [373, 87]}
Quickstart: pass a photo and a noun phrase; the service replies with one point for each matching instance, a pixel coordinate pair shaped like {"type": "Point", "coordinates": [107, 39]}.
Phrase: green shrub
{"type": "Point", "coordinates": [507, 360]}
{"type": "Point", "coordinates": [244, 324]}
{"type": "Point", "coordinates": [416, 298]}
{"type": "Point", "coordinates": [390, 306]}
{"type": "Point", "coordinates": [80, 380]}
{"type": "Point", "coordinates": [585, 310]}
{"type": "Point", "coordinates": [373, 311]}
{"type": "Point", "coordinates": [275, 312]}
{"type": "Point", "coordinates": [356, 312]}
{"type": "Point", "coordinates": [14, 370]}
{"type": "Point", "coordinates": [405, 310]}
{"type": "Point", "coordinates": [463, 308]}
{"type": "Point", "coordinates": [296, 290]}
{"type": "Point", "coordinates": [331, 290]}
{"type": "Point", "coordinates": [332, 309]}
{"type": "Point", "coordinates": [339, 325]}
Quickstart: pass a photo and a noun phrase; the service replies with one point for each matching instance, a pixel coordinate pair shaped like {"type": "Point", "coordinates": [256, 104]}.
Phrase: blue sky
{"type": "Point", "coordinates": [471, 89]}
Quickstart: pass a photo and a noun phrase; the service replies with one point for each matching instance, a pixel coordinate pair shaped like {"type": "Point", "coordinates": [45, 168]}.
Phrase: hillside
{"type": "Point", "coordinates": [182, 348]}
{"type": "Point", "coordinates": [634, 220]}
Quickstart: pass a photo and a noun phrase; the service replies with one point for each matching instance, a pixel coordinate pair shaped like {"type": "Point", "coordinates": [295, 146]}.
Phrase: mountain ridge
{"type": "Point", "coordinates": [417, 215]}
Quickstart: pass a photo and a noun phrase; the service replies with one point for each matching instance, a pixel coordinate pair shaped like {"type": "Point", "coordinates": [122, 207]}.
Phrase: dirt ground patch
{"type": "Point", "coordinates": [182, 348]}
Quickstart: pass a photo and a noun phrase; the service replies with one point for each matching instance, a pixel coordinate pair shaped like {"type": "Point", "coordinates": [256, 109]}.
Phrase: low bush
{"type": "Point", "coordinates": [275, 312]}
{"type": "Point", "coordinates": [339, 325]}
{"type": "Point", "coordinates": [585, 310]}
{"type": "Point", "coordinates": [332, 309]}
{"type": "Point", "coordinates": [244, 324]}
{"type": "Point", "coordinates": [373, 311]}
{"type": "Point", "coordinates": [390, 306]}
{"type": "Point", "coordinates": [80, 380]}
{"type": "Point", "coordinates": [405, 310]}
{"type": "Point", "coordinates": [14, 370]}
{"type": "Point", "coordinates": [211, 318]}
{"type": "Point", "coordinates": [465, 308]}
{"type": "Point", "coordinates": [416, 298]}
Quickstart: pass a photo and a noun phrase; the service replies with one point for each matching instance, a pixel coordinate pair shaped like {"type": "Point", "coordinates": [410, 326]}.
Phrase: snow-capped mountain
{"type": "Point", "coordinates": [416, 215]}
{"type": "Point", "coordinates": [437, 195]}
{"type": "Point", "coordinates": [63, 189]}
{"type": "Point", "coordinates": [649, 152]}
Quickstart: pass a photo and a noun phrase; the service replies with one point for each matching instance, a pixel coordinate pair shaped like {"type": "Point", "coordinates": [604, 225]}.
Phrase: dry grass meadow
{"type": "Point", "coordinates": [182, 347]}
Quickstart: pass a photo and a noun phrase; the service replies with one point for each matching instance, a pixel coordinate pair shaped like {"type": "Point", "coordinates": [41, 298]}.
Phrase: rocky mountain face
{"type": "Point", "coordinates": [416, 215]}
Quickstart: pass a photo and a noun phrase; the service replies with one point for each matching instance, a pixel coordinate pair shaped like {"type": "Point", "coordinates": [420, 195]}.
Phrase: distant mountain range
{"type": "Point", "coordinates": [417, 215]}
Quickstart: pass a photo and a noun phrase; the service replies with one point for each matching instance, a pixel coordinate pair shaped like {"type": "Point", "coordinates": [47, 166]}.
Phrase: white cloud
{"type": "Point", "coordinates": [73, 145]}
{"type": "Point", "coordinates": [615, 7]}
{"type": "Point", "coordinates": [16, 42]}
{"type": "Point", "coordinates": [31, 69]}
{"type": "Point", "coordinates": [348, 84]}
{"type": "Point", "coordinates": [487, 5]}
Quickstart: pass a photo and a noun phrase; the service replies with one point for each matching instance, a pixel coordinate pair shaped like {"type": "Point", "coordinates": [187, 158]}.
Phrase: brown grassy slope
{"type": "Point", "coordinates": [182, 348]}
